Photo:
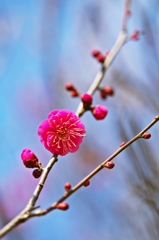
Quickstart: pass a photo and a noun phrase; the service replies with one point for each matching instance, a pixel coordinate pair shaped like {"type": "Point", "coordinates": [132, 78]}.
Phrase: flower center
{"type": "Point", "coordinates": [62, 133]}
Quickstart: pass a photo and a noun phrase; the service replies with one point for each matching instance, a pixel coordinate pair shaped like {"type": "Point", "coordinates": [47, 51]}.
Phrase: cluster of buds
{"type": "Point", "coordinates": [30, 160]}
{"type": "Point", "coordinates": [99, 111]}
{"type": "Point", "coordinates": [73, 91]}
{"type": "Point", "coordinates": [105, 92]}
{"type": "Point", "coordinates": [99, 56]}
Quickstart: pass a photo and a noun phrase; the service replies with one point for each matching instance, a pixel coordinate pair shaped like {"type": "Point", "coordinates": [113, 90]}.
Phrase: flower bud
{"type": "Point", "coordinates": [122, 144]}
{"type": "Point", "coordinates": [100, 112]}
{"type": "Point", "coordinates": [101, 58]}
{"type": "Point", "coordinates": [67, 186]}
{"type": "Point", "coordinates": [135, 35]}
{"type": "Point", "coordinates": [63, 206]}
{"type": "Point", "coordinates": [87, 183]}
{"type": "Point", "coordinates": [110, 165]}
{"type": "Point", "coordinates": [95, 53]}
{"type": "Point", "coordinates": [87, 100]}
{"type": "Point", "coordinates": [103, 94]}
{"type": "Point", "coordinates": [146, 135]}
{"type": "Point", "coordinates": [29, 159]}
{"type": "Point", "coordinates": [74, 93]}
{"type": "Point", "coordinates": [37, 173]}
{"type": "Point", "coordinates": [69, 87]}
{"type": "Point", "coordinates": [109, 91]}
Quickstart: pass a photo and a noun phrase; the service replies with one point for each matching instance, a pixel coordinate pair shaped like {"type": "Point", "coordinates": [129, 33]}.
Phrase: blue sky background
{"type": "Point", "coordinates": [43, 45]}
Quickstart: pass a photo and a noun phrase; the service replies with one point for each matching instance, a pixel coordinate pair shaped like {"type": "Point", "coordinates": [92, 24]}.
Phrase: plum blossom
{"type": "Point", "coordinates": [62, 132]}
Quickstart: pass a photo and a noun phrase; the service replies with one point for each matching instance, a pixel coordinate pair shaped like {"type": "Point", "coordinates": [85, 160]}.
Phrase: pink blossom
{"type": "Point", "coordinates": [29, 159]}
{"type": "Point", "coordinates": [100, 112]}
{"type": "Point", "coordinates": [62, 132]}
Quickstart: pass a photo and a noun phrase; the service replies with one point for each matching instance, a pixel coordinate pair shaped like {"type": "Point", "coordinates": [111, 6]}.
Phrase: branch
{"type": "Point", "coordinates": [24, 215]}
{"type": "Point", "coordinates": [121, 39]}
{"type": "Point", "coordinates": [95, 171]}
{"type": "Point", "coordinates": [27, 212]}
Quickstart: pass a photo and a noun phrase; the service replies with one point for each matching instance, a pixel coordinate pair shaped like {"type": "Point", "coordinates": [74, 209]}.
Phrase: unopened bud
{"type": "Point", "coordinates": [95, 53]}
{"type": "Point", "coordinates": [86, 183]}
{"type": "Point", "coordinates": [99, 112]}
{"type": "Point", "coordinates": [87, 100]}
{"type": "Point", "coordinates": [37, 173]}
{"type": "Point", "coordinates": [135, 35]}
{"type": "Point", "coordinates": [146, 135]}
{"type": "Point", "coordinates": [67, 186]}
{"type": "Point", "coordinates": [110, 165]}
{"type": "Point", "coordinates": [63, 206]}
{"type": "Point", "coordinates": [109, 91]}
{"type": "Point", "coordinates": [122, 144]}
{"type": "Point", "coordinates": [103, 94]}
{"type": "Point", "coordinates": [74, 93]}
{"type": "Point", "coordinates": [69, 87]}
{"type": "Point", "coordinates": [101, 58]}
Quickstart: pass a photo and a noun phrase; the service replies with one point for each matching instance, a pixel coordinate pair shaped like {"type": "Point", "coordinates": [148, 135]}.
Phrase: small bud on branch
{"type": "Point", "coordinates": [63, 206]}
{"type": "Point", "coordinates": [37, 173]}
{"type": "Point", "coordinates": [146, 135]}
{"type": "Point", "coordinates": [87, 183]}
{"type": "Point", "coordinates": [110, 165]}
{"type": "Point", "coordinates": [67, 186]}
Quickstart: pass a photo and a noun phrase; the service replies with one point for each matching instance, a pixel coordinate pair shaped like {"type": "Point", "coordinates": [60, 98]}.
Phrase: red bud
{"type": "Point", "coordinates": [110, 165]}
{"type": "Point", "coordinates": [87, 183]}
{"type": "Point", "coordinates": [109, 91]}
{"type": "Point", "coordinates": [63, 206]}
{"type": "Point", "coordinates": [87, 100]}
{"type": "Point", "coordinates": [122, 144]}
{"type": "Point", "coordinates": [135, 35]}
{"type": "Point", "coordinates": [146, 135]}
{"type": "Point", "coordinates": [103, 94]}
{"type": "Point", "coordinates": [67, 186]}
{"type": "Point", "coordinates": [101, 58]}
{"type": "Point", "coordinates": [74, 93]}
{"type": "Point", "coordinates": [69, 87]}
{"type": "Point", "coordinates": [37, 173]}
{"type": "Point", "coordinates": [95, 53]}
